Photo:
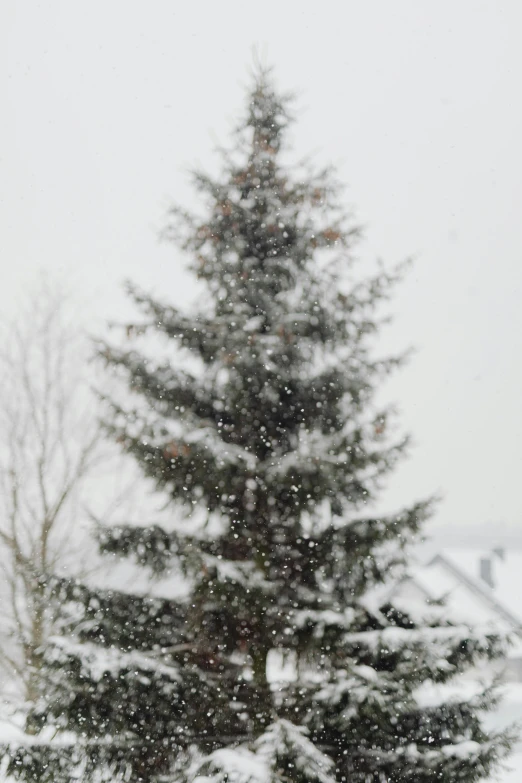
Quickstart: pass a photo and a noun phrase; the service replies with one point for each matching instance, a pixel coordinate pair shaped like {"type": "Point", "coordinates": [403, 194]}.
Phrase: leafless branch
{"type": "Point", "coordinates": [49, 446]}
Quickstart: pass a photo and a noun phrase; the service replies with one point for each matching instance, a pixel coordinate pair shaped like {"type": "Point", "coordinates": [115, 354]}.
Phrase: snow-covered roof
{"type": "Point", "coordinates": [505, 568]}
{"type": "Point", "coordinates": [454, 577]}
{"type": "Point", "coordinates": [463, 603]}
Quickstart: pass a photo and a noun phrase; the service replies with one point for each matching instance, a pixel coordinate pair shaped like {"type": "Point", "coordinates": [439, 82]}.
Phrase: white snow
{"type": "Point", "coordinates": [394, 637]}
{"type": "Point", "coordinates": [97, 660]}
{"type": "Point", "coordinates": [508, 713]}
{"type": "Point", "coordinates": [463, 604]}
{"type": "Point", "coordinates": [506, 572]}
{"type": "Point", "coordinates": [236, 765]}
{"type": "Point", "coordinates": [261, 765]}
{"type": "Point", "coordinates": [512, 772]}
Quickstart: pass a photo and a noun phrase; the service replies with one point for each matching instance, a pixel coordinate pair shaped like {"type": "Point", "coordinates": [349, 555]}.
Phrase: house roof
{"type": "Point", "coordinates": [505, 594]}
{"type": "Point", "coordinates": [462, 602]}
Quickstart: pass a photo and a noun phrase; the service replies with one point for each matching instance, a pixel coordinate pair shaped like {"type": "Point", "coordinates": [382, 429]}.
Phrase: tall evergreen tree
{"type": "Point", "coordinates": [284, 660]}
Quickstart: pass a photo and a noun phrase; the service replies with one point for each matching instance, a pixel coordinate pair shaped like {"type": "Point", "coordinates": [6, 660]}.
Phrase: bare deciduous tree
{"type": "Point", "coordinates": [49, 445]}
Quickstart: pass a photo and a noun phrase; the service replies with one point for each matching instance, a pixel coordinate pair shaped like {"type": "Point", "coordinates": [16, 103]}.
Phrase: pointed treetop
{"type": "Point", "coordinates": [267, 113]}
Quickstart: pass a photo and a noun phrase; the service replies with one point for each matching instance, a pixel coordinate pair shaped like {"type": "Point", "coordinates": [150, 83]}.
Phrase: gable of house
{"type": "Point", "coordinates": [494, 576]}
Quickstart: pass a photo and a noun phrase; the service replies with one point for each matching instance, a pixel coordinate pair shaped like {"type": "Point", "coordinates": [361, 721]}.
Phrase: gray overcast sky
{"type": "Point", "coordinates": [106, 105]}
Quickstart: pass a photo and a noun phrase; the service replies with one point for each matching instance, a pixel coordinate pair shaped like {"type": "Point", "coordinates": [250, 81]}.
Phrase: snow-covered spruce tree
{"type": "Point", "coordinates": [284, 662]}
